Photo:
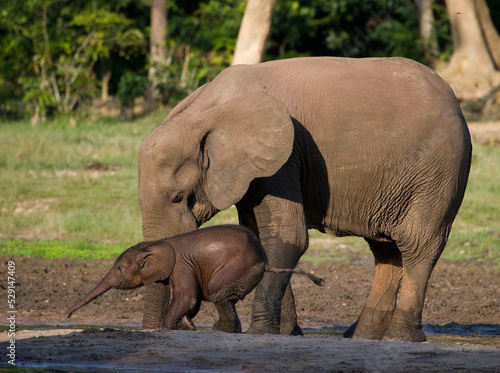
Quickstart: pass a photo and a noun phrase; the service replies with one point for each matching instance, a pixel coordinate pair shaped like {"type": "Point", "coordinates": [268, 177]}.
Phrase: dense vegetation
{"type": "Point", "coordinates": [57, 55]}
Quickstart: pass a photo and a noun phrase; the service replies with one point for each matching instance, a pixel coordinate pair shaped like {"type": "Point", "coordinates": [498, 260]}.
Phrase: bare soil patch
{"type": "Point", "coordinates": [485, 132]}
{"type": "Point", "coordinates": [461, 298]}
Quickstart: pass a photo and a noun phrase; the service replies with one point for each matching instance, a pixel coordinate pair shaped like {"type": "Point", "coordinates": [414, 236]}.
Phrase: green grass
{"type": "Point", "coordinates": [58, 249]}
{"type": "Point", "coordinates": [52, 206]}
{"type": "Point", "coordinates": [47, 192]}
{"type": "Point", "coordinates": [476, 231]}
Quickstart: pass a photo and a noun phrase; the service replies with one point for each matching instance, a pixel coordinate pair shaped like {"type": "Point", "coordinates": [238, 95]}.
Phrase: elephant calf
{"type": "Point", "coordinates": [219, 264]}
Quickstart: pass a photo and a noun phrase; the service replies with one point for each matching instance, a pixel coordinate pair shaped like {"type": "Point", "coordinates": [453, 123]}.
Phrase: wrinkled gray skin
{"type": "Point", "coordinates": [376, 148]}
{"type": "Point", "coordinates": [220, 264]}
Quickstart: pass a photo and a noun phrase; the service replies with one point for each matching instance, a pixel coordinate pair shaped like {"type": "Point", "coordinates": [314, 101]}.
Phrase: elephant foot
{"type": "Point", "coordinates": [288, 325]}
{"type": "Point", "coordinates": [228, 318]}
{"type": "Point", "coordinates": [262, 329]}
{"type": "Point", "coordinates": [227, 326]}
{"type": "Point", "coordinates": [406, 335]}
{"type": "Point", "coordinates": [186, 324]}
{"type": "Point", "coordinates": [402, 330]}
{"type": "Point", "coordinates": [354, 331]}
{"type": "Point", "coordinates": [349, 333]}
{"type": "Point", "coordinates": [296, 330]}
{"type": "Point", "coordinates": [372, 324]}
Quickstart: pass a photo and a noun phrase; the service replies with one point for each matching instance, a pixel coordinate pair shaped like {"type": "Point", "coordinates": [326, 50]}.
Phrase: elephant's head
{"type": "Point", "coordinates": [142, 264]}
{"type": "Point", "coordinates": [201, 161]}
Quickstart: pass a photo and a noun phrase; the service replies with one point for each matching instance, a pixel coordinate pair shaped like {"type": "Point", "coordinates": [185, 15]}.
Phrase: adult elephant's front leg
{"type": "Point", "coordinates": [155, 305]}
{"type": "Point", "coordinates": [283, 234]}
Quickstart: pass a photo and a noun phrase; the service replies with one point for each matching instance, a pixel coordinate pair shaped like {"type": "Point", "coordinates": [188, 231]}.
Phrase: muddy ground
{"type": "Point", "coordinates": [461, 298]}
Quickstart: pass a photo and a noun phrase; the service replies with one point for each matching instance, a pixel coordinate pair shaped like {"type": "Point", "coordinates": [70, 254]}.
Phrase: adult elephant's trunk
{"type": "Point", "coordinates": [103, 286]}
{"type": "Point", "coordinates": [157, 295]}
{"type": "Point", "coordinates": [156, 225]}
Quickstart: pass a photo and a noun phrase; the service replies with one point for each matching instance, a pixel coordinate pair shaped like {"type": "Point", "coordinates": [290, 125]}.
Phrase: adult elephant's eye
{"type": "Point", "coordinates": [177, 198]}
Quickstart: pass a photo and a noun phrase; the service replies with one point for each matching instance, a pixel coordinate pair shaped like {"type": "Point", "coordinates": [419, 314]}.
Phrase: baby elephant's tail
{"type": "Point", "coordinates": [318, 281]}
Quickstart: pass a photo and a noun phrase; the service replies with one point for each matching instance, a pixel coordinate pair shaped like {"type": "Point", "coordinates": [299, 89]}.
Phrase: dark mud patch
{"type": "Point", "coordinates": [459, 296]}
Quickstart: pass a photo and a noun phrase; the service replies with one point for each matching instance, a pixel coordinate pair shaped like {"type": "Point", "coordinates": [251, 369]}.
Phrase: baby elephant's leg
{"type": "Point", "coordinates": [179, 313]}
{"type": "Point", "coordinates": [228, 318]}
{"type": "Point", "coordinates": [186, 322]}
{"type": "Point", "coordinates": [226, 297]}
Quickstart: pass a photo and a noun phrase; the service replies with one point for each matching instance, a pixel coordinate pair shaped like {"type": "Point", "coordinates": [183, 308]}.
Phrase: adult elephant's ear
{"type": "Point", "coordinates": [156, 262]}
{"type": "Point", "coordinates": [248, 137]}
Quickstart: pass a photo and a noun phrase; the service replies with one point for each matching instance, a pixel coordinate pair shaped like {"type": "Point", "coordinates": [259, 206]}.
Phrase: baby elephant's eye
{"type": "Point", "coordinates": [120, 270]}
{"type": "Point", "coordinates": [177, 198]}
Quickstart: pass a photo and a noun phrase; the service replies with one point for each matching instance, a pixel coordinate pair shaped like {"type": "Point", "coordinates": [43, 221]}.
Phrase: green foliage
{"type": "Point", "coordinates": [200, 44]}
{"type": "Point", "coordinates": [131, 87]}
{"type": "Point", "coordinates": [56, 53]}
{"type": "Point", "coordinates": [109, 31]}
{"type": "Point", "coordinates": [397, 35]}
{"type": "Point", "coordinates": [442, 29]}
{"type": "Point", "coordinates": [52, 48]}
{"type": "Point", "coordinates": [350, 28]}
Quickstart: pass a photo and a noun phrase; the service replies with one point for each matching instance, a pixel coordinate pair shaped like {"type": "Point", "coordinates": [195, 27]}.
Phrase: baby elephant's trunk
{"type": "Point", "coordinates": [318, 281]}
{"type": "Point", "coordinates": [102, 287]}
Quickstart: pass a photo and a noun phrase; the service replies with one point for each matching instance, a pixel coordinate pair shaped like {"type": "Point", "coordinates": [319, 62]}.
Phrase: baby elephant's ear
{"type": "Point", "coordinates": [156, 262]}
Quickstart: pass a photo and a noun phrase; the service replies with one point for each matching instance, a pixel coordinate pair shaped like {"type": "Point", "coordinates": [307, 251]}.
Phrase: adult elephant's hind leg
{"type": "Point", "coordinates": [418, 262]}
{"type": "Point", "coordinates": [381, 302]}
{"type": "Point", "coordinates": [289, 324]}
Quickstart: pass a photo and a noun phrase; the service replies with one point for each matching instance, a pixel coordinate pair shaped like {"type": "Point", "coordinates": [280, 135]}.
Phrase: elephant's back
{"type": "Point", "coordinates": [219, 254]}
{"type": "Point", "coordinates": [376, 96]}
{"type": "Point", "coordinates": [378, 107]}
{"type": "Point", "coordinates": [220, 243]}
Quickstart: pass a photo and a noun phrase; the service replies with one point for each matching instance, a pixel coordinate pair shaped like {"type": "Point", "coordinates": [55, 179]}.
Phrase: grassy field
{"type": "Point", "coordinates": [73, 192]}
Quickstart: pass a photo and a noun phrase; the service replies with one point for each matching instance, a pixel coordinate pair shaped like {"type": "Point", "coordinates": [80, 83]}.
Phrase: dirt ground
{"type": "Point", "coordinates": [461, 299]}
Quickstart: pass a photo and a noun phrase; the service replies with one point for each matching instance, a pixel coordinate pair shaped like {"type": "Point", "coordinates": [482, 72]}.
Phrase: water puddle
{"type": "Point", "coordinates": [453, 333]}
{"type": "Point", "coordinates": [477, 334]}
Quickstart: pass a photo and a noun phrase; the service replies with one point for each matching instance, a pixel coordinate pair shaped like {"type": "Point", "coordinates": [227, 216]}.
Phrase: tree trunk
{"type": "Point", "coordinates": [106, 78]}
{"type": "Point", "coordinates": [254, 29]}
{"type": "Point", "coordinates": [472, 71]}
{"type": "Point", "coordinates": [427, 32]}
{"type": "Point", "coordinates": [489, 31]}
{"type": "Point", "coordinates": [157, 55]}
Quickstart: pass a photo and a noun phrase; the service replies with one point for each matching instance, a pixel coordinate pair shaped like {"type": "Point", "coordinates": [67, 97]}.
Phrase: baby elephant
{"type": "Point", "coordinates": [220, 264]}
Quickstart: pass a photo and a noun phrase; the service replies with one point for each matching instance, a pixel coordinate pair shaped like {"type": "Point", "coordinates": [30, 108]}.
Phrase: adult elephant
{"type": "Point", "coordinates": [376, 148]}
